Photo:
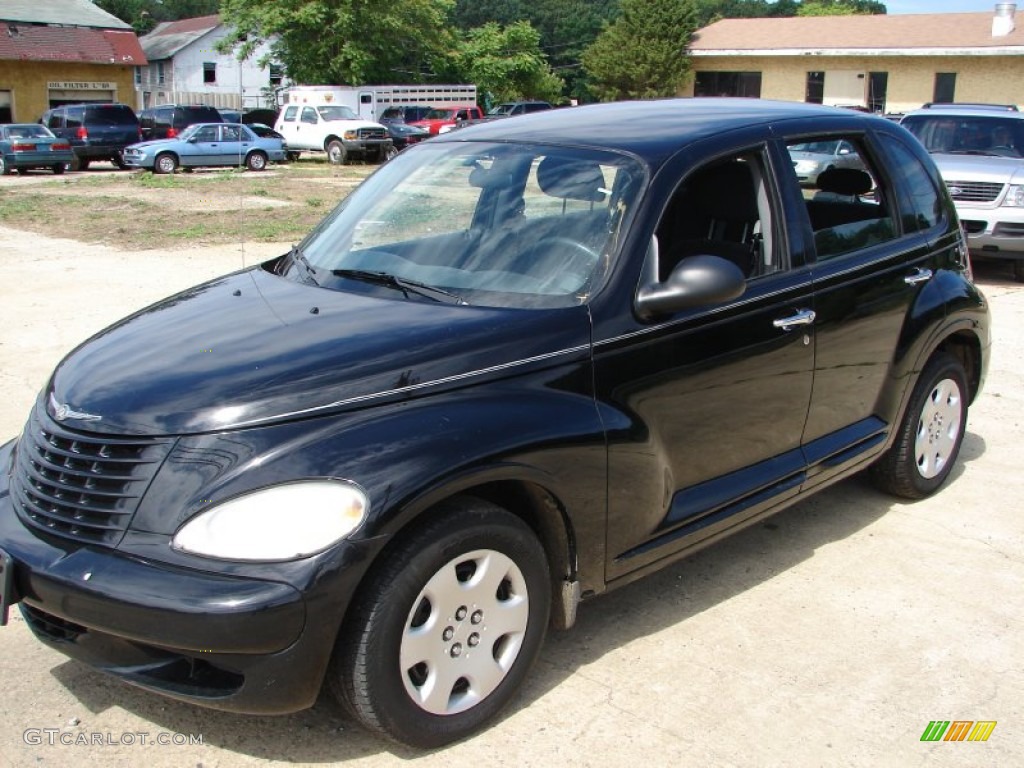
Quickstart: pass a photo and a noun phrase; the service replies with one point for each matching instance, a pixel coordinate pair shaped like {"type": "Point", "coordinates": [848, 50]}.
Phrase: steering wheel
{"type": "Point", "coordinates": [552, 259]}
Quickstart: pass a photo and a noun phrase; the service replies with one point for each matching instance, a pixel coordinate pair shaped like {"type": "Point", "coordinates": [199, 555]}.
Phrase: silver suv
{"type": "Point", "coordinates": [979, 149]}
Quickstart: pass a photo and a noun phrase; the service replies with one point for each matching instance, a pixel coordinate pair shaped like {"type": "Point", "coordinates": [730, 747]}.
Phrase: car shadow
{"type": "Point", "coordinates": [659, 601]}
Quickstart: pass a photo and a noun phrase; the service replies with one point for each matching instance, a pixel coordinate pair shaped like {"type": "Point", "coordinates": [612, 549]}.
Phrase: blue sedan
{"type": "Point", "coordinates": [207, 144]}
{"type": "Point", "coordinates": [28, 145]}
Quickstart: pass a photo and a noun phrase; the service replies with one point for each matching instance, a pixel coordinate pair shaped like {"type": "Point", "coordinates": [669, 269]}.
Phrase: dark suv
{"type": "Point", "coordinates": [521, 365]}
{"type": "Point", "coordinates": [95, 131]}
{"type": "Point", "coordinates": [168, 120]}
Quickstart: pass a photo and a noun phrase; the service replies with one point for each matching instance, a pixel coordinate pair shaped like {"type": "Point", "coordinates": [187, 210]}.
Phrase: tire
{"type": "Point", "coordinates": [930, 436]}
{"type": "Point", "coordinates": [256, 161]}
{"type": "Point", "coordinates": [58, 169]}
{"type": "Point", "coordinates": [4, 167]}
{"type": "Point", "coordinates": [387, 154]}
{"type": "Point", "coordinates": [293, 157]}
{"type": "Point", "coordinates": [474, 577]}
{"type": "Point", "coordinates": [118, 161]}
{"type": "Point", "coordinates": [336, 154]}
{"type": "Point", "coordinates": [1018, 270]}
{"type": "Point", "coordinates": [165, 163]}
{"type": "Point", "coordinates": [79, 164]}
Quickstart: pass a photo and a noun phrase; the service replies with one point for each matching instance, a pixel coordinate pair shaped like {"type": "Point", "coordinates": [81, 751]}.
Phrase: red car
{"type": "Point", "coordinates": [443, 119]}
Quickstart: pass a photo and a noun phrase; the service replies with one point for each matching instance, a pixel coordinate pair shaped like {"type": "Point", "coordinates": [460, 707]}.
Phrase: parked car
{"type": "Point", "coordinates": [95, 131]}
{"type": "Point", "coordinates": [404, 113]}
{"type": "Point", "coordinates": [167, 121]}
{"type": "Point", "coordinates": [810, 158]}
{"type": "Point", "coordinates": [24, 146]}
{"type": "Point", "coordinates": [207, 145]}
{"type": "Point", "coordinates": [443, 119]}
{"type": "Point", "coordinates": [979, 149]}
{"type": "Point", "coordinates": [404, 135]}
{"type": "Point", "coordinates": [519, 366]}
{"type": "Point", "coordinates": [507, 109]}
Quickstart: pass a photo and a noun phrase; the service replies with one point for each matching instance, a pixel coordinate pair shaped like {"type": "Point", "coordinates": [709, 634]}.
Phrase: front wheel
{"type": "Point", "coordinates": [4, 167]}
{"type": "Point", "coordinates": [336, 154]}
{"type": "Point", "coordinates": [1018, 270]}
{"type": "Point", "coordinates": [930, 436]}
{"type": "Point", "coordinates": [58, 168]}
{"type": "Point", "coordinates": [447, 626]}
{"type": "Point", "coordinates": [165, 163]}
{"type": "Point", "coordinates": [256, 161]}
{"type": "Point", "coordinates": [388, 153]}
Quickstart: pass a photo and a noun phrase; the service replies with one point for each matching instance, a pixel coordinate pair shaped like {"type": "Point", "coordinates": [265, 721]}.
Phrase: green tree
{"type": "Point", "coordinates": [642, 54]}
{"type": "Point", "coordinates": [840, 8]}
{"type": "Point", "coordinates": [344, 42]}
{"type": "Point", "coordinates": [504, 63]}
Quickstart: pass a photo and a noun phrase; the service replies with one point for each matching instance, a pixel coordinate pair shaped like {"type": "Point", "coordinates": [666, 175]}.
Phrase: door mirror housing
{"type": "Point", "coordinates": [698, 280]}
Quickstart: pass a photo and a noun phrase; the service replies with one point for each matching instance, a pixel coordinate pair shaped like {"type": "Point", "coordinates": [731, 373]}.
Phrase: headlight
{"type": "Point", "coordinates": [283, 522]}
{"type": "Point", "coordinates": [351, 135]}
{"type": "Point", "coordinates": [804, 167]}
{"type": "Point", "coordinates": [1014, 196]}
{"type": "Point", "coordinates": [445, 128]}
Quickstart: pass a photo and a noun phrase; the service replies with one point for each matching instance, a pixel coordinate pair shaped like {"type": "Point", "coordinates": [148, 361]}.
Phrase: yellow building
{"type": "Point", "coordinates": [882, 63]}
{"type": "Point", "coordinates": [63, 52]}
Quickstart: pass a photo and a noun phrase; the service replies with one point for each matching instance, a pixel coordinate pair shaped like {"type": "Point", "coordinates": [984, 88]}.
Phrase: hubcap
{"type": "Point", "coordinates": [464, 632]}
{"type": "Point", "coordinates": [938, 428]}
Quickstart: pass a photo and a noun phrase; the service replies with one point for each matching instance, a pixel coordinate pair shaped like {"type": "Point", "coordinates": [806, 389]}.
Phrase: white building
{"type": "Point", "coordinates": [186, 68]}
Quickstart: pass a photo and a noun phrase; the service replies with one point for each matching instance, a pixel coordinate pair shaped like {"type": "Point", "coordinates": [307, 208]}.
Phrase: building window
{"type": "Point", "coordinates": [815, 91]}
{"type": "Point", "coordinates": [728, 84]}
{"type": "Point", "coordinates": [160, 73]}
{"type": "Point", "coordinates": [138, 75]}
{"type": "Point", "coordinates": [945, 87]}
{"type": "Point", "coordinates": [209, 72]}
{"type": "Point", "coordinates": [276, 75]}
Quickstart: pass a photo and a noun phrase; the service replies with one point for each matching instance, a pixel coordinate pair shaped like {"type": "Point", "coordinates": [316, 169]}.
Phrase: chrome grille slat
{"type": "Point", "coordinates": [81, 486]}
{"type": "Point", "coordinates": [974, 191]}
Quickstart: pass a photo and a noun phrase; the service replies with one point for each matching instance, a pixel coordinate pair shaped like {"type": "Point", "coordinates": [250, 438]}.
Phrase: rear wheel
{"type": "Point", "coordinates": [165, 163]}
{"type": "Point", "coordinates": [58, 169]}
{"type": "Point", "coordinates": [4, 167]}
{"type": "Point", "coordinates": [256, 161]}
{"type": "Point", "coordinates": [388, 153]}
{"type": "Point", "coordinates": [930, 436]}
{"type": "Point", "coordinates": [118, 161]}
{"type": "Point", "coordinates": [446, 627]}
{"type": "Point", "coordinates": [336, 153]}
{"type": "Point", "coordinates": [1018, 270]}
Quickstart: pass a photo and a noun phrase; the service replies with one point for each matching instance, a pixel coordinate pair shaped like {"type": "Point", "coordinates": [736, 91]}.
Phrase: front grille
{"type": "Point", "coordinates": [974, 191]}
{"type": "Point", "coordinates": [373, 133]}
{"type": "Point", "coordinates": [81, 486]}
{"type": "Point", "coordinates": [51, 627]}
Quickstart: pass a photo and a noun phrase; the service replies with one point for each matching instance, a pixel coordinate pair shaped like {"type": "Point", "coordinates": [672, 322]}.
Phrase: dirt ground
{"type": "Point", "coordinates": [830, 635]}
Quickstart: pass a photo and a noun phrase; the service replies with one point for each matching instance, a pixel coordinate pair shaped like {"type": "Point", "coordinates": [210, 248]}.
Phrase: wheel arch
{"type": "Point", "coordinates": [966, 347]}
{"type": "Point", "coordinates": [332, 137]}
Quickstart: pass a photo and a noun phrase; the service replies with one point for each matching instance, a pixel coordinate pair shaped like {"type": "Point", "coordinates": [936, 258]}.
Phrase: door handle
{"type": "Point", "coordinates": [918, 276]}
{"type": "Point", "coordinates": [802, 317]}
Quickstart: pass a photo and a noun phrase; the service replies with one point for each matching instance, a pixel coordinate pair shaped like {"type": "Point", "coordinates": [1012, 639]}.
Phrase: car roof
{"type": "Point", "coordinates": [968, 110]}
{"type": "Point", "coordinates": [652, 129]}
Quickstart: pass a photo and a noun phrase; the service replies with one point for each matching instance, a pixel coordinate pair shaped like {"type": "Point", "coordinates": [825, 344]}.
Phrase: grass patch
{"type": "Point", "coordinates": [141, 210]}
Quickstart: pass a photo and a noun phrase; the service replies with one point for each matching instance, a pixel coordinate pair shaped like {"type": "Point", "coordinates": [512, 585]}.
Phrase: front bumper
{"type": "Point", "coordinates": [225, 640]}
{"type": "Point", "coordinates": [367, 146]}
{"type": "Point", "coordinates": [993, 232]}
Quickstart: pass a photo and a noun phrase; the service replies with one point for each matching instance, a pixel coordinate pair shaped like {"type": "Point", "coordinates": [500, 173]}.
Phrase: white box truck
{"type": "Point", "coordinates": [370, 101]}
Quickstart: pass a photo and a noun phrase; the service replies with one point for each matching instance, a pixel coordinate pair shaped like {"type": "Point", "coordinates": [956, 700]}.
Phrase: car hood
{"type": "Point", "coordinates": [154, 143]}
{"type": "Point", "coordinates": [991, 168]}
{"type": "Point", "coordinates": [253, 348]}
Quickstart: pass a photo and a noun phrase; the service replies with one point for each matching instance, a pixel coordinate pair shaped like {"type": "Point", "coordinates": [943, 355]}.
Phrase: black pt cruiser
{"type": "Point", "coordinates": [520, 365]}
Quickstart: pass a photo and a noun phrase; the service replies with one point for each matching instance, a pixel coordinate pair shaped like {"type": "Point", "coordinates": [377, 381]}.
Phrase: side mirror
{"type": "Point", "coordinates": [696, 281]}
{"type": "Point", "coordinates": [193, 139]}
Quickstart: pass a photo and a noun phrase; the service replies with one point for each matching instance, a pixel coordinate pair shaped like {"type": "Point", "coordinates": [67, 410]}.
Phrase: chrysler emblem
{"type": "Point", "coordinates": [62, 411]}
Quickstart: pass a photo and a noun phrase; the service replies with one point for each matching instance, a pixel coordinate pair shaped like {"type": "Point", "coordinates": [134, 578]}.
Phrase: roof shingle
{"type": "Point", "coordinates": [72, 44]}
{"type": "Point", "coordinates": [963, 32]}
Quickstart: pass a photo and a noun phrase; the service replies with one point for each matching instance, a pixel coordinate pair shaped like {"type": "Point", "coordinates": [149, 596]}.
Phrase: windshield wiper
{"type": "Point", "coordinates": [299, 258]}
{"type": "Point", "coordinates": [401, 284]}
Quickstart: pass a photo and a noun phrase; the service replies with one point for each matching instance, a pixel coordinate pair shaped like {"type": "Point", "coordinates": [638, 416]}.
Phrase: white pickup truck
{"type": "Point", "coordinates": [333, 129]}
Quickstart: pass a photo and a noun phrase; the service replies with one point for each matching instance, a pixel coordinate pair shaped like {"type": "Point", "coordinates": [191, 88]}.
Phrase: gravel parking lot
{"type": "Point", "coordinates": [830, 635]}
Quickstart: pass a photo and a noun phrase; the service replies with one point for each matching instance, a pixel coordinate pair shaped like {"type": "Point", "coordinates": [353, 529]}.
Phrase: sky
{"type": "Point", "coordinates": [944, 6]}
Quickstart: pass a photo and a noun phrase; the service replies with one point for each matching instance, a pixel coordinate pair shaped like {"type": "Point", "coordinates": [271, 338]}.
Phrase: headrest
{"type": "Point", "coordinates": [571, 179]}
{"type": "Point", "coordinates": [845, 181]}
{"type": "Point", "coordinates": [725, 192]}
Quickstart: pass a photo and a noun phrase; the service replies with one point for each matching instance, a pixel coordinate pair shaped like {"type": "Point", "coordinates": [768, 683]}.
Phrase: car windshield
{"type": "Point", "coordinates": [501, 109]}
{"type": "Point", "coordinates": [28, 132]}
{"type": "Point", "coordinates": [188, 132]}
{"type": "Point", "coordinates": [336, 113]}
{"type": "Point", "coordinates": [968, 134]}
{"type": "Point", "coordinates": [511, 225]}
{"type": "Point", "coordinates": [439, 114]}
